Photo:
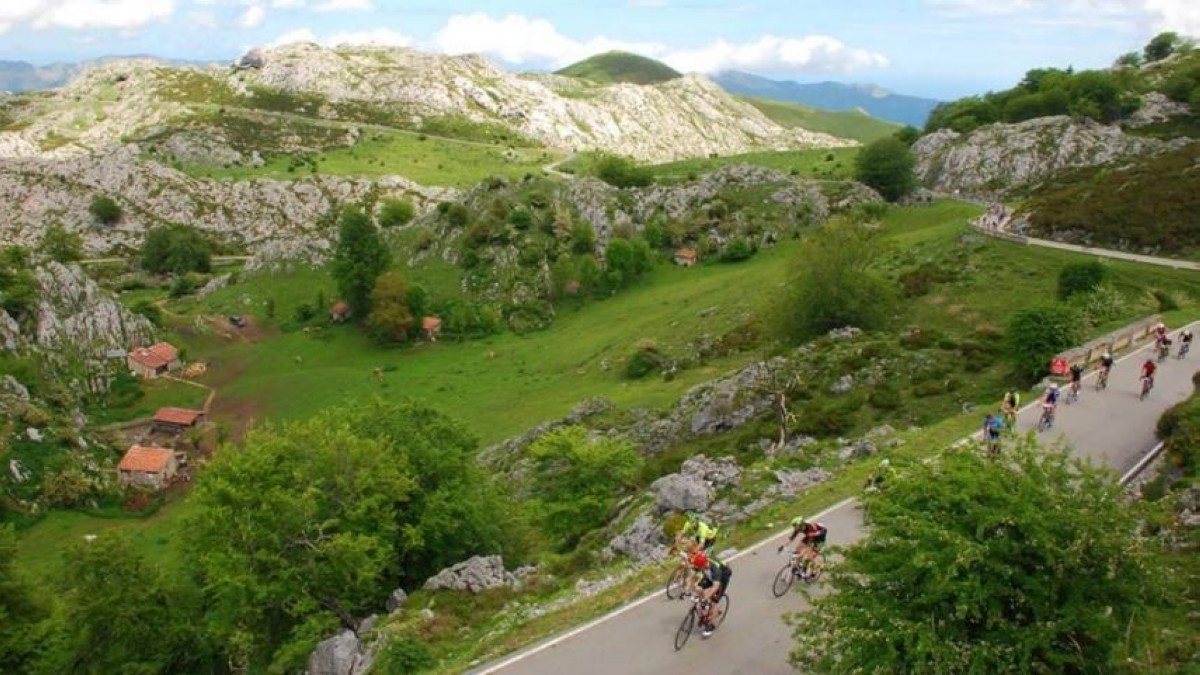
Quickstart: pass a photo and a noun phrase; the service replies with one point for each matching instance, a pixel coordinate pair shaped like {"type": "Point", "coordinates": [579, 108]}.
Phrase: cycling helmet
{"type": "Point", "coordinates": [885, 463]}
{"type": "Point", "coordinates": [1054, 386]}
{"type": "Point", "coordinates": [798, 521]}
{"type": "Point", "coordinates": [1106, 355]}
{"type": "Point", "coordinates": [692, 516]}
{"type": "Point", "coordinates": [699, 559]}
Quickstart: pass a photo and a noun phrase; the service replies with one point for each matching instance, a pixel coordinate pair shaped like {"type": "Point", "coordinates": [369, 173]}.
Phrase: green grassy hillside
{"type": "Point", "coordinates": [1148, 205]}
{"type": "Point", "coordinates": [848, 124]}
{"type": "Point", "coordinates": [825, 163]}
{"type": "Point", "coordinates": [617, 66]}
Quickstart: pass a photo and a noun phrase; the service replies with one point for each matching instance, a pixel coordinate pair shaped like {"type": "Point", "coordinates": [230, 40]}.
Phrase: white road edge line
{"type": "Point", "coordinates": [520, 656]}
{"type": "Point", "coordinates": [1141, 465]}
{"type": "Point", "coordinates": [638, 603]}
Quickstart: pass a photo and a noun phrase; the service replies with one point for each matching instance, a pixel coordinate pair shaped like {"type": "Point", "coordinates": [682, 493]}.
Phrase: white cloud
{"type": "Point", "coordinates": [382, 37]}
{"type": "Point", "coordinates": [342, 6]}
{"type": "Point", "coordinates": [125, 15]}
{"type": "Point", "coordinates": [1146, 15]}
{"type": "Point", "coordinates": [286, 4]}
{"type": "Point", "coordinates": [252, 17]}
{"type": "Point", "coordinates": [524, 41]}
{"type": "Point", "coordinates": [809, 54]}
{"type": "Point", "coordinates": [520, 40]}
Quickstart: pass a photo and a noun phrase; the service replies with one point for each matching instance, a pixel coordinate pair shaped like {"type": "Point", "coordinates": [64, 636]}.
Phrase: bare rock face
{"type": "Point", "coordinates": [643, 540]}
{"type": "Point", "coordinates": [342, 654]}
{"type": "Point", "coordinates": [1003, 157]}
{"type": "Point", "coordinates": [478, 573]}
{"type": "Point", "coordinates": [259, 214]}
{"type": "Point", "coordinates": [75, 313]}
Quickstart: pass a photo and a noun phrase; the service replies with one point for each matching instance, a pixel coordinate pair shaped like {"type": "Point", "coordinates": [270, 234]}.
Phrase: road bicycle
{"type": "Point", "coordinates": [1073, 392]}
{"type": "Point", "coordinates": [677, 582]}
{"type": "Point", "coordinates": [1184, 348]}
{"type": "Point", "coordinates": [700, 607]}
{"type": "Point", "coordinates": [1164, 350]}
{"type": "Point", "coordinates": [1102, 379]}
{"type": "Point", "coordinates": [1046, 421]}
{"type": "Point", "coordinates": [1147, 385]}
{"type": "Point", "coordinates": [805, 568]}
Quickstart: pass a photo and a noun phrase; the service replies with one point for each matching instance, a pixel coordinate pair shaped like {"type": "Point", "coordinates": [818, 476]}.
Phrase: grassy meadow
{"type": "Point", "coordinates": [501, 386]}
{"type": "Point", "coordinates": [850, 124]}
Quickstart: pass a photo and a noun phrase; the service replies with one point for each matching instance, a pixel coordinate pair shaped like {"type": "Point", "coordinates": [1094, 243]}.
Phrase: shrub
{"type": "Point", "coordinates": [183, 285]}
{"type": "Point", "coordinates": [176, 249]}
{"type": "Point", "coordinates": [105, 210]}
{"type": "Point", "coordinates": [887, 165]}
{"type": "Point", "coordinates": [149, 310]}
{"type": "Point", "coordinates": [396, 212]}
{"type": "Point", "coordinates": [457, 215]}
{"type": "Point", "coordinates": [405, 654]}
{"type": "Point", "coordinates": [1036, 334]}
{"type": "Point", "coordinates": [1082, 277]}
{"type": "Point", "coordinates": [520, 218]}
{"type": "Point", "coordinates": [304, 312]}
{"type": "Point", "coordinates": [645, 360]}
{"type": "Point", "coordinates": [886, 397]}
{"type": "Point", "coordinates": [622, 173]}
{"type": "Point", "coordinates": [738, 250]}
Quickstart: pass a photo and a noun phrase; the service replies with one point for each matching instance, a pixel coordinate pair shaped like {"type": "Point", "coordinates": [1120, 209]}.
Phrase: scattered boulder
{"type": "Point", "coordinates": [792, 483]}
{"type": "Point", "coordinates": [643, 540]}
{"type": "Point", "coordinates": [718, 473]}
{"type": "Point", "coordinates": [253, 59]}
{"type": "Point", "coordinates": [680, 492]}
{"type": "Point", "coordinates": [215, 284]}
{"type": "Point", "coordinates": [730, 402]}
{"type": "Point", "coordinates": [478, 573]}
{"type": "Point", "coordinates": [33, 434]}
{"type": "Point", "coordinates": [847, 333]}
{"type": "Point", "coordinates": [342, 654]}
{"type": "Point", "coordinates": [843, 385]}
{"type": "Point", "coordinates": [858, 450]}
{"type": "Point", "coordinates": [395, 601]}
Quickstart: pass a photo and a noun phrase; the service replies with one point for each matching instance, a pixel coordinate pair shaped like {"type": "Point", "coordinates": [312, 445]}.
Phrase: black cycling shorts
{"type": "Point", "coordinates": [817, 540]}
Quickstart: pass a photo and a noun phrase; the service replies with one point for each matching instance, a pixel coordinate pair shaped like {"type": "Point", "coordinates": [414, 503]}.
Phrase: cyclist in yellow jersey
{"type": "Point", "coordinates": [695, 529]}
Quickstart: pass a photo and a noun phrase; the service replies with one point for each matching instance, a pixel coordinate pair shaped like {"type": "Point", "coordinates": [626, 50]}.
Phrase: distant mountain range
{"type": "Point", "coordinates": [873, 100]}
{"type": "Point", "coordinates": [18, 76]}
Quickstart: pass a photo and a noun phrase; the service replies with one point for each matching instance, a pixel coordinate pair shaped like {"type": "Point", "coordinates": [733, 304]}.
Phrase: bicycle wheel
{"type": "Point", "coordinates": [676, 583]}
{"type": "Point", "coordinates": [685, 629]}
{"type": "Point", "coordinates": [816, 567]}
{"type": "Point", "coordinates": [783, 580]}
{"type": "Point", "coordinates": [724, 605]}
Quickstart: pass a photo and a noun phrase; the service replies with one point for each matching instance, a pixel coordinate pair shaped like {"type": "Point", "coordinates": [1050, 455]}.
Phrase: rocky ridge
{"type": "Point", "coordinates": [255, 214]}
{"type": "Point", "coordinates": [1000, 158]}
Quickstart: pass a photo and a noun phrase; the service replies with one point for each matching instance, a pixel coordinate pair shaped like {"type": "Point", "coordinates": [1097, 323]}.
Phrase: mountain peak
{"type": "Point", "coordinates": [836, 96]}
{"type": "Point", "coordinates": [619, 66]}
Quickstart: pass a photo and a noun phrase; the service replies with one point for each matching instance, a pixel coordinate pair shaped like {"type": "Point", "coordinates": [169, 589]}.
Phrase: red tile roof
{"type": "Point", "coordinates": [154, 356]}
{"type": "Point", "coordinates": [177, 416]}
{"type": "Point", "coordinates": [148, 460]}
{"type": "Point", "coordinates": [687, 253]}
{"type": "Point", "coordinates": [340, 308]}
{"type": "Point", "coordinates": [430, 323]}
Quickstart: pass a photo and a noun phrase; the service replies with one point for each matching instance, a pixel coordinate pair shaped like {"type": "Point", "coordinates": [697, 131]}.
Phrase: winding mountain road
{"type": "Point", "coordinates": [1111, 427]}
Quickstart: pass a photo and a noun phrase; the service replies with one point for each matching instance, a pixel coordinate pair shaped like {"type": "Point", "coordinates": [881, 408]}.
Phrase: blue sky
{"type": "Point", "coordinates": [937, 48]}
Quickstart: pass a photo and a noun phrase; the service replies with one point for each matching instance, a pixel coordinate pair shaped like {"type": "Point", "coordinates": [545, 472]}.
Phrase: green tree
{"type": "Point", "coordinates": [61, 245]}
{"type": "Point", "coordinates": [907, 135]}
{"type": "Point", "coordinates": [579, 480]}
{"type": "Point", "coordinates": [1032, 564]}
{"type": "Point", "coordinates": [832, 285]}
{"type": "Point", "coordinates": [1081, 277]}
{"type": "Point", "coordinates": [105, 210]}
{"type": "Point", "coordinates": [22, 613]}
{"type": "Point", "coordinates": [18, 286]}
{"type": "Point", "coordinates": [888, 166]}
{"type": "Point", "coordinates": [390, 319]}
{"type": "Point", "coordinates": [1131, 60]}
{"type": "Point", "coordinates": [627, 260]}
{"type": "Point", "coordinates": [622, 173]}
{"type": "Point", "coordinates": [295, 532]}
{"type": "Point", "coordinates": [1036, 334]}
{"type": "Point", "coordinates": [358, 259]}
{"type": "Point", "coordinates": [583, 238]}
{"type": "Point", "coordinates": [1161, 46]}
{"type": "Point", "coordinates": [395, 213]}
{"type": "Point", "coordinates": [176, 249]}
{"type": "Point", "coordinates": [112, 601]}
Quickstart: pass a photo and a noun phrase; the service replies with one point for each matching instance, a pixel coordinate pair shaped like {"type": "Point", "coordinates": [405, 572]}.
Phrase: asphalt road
{"type": "Point", "coordinates": [1111, 426]}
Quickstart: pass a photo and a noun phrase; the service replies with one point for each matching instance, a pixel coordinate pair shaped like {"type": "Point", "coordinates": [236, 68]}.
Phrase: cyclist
{"type": "Point", "coordinates": [1163, 344]}
{"type": "Point", "coordinates": [877, 478]}
{"type": "Point", "coordinates": [1009, 407]}
{"type": "Point", "coordinates": [992, 426]}
{"type": "Point", "coordinates": [696, 531]}
{"type": "Point", "coordinates": [1148, 369]}
{"type": "Point", "coordinates": [1160, 330]}
{"type": "Point", "coordinates": [814, 535]}
{"type": "Point", "coordinates": [1185, 342]}
{"type": "Point", "coordinates": [1050, 402]}
{"type": "Point", "coordinates": [1076, 379]}
{"type": "Point", "coordinates": [714, 580]}
{"type": "Point", "coordinates": [1106, 363]}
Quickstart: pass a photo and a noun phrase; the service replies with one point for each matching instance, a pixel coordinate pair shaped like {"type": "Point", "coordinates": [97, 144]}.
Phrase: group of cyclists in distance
{"type": "Point", "coordinates": [994, 424]}
{"type": "Point", "coordinates": [695, 540]}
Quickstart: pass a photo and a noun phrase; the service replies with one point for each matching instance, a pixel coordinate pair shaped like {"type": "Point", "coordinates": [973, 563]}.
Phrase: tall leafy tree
{"type": "Point", "coordinates": [832, 284]}
{"type": "Point", "coordinates": [358, 259]}
{"type": "Point", "coordinates": [1036, 334]}
{"type": "Point", "coordinates": [390, 319]}
{"type": "Point", "coordinates": [888, 166]}
{"type": "Point", "coordinates": [176, 249]}
{"type": "Point", "coordinates": [1032, 564]}
{"type": "Point", "coordinates": [120, 615]}
{"type": "Point", "coordinates": [22, 614]}
{"type": "Point", "coordinates": [579, 480]}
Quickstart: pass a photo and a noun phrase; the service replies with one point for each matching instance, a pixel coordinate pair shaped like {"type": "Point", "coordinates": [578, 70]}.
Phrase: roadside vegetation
{"type": "Point", "coordinates": [939, 348]}
{"type": "Point", "coordinates": [823, 163]}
